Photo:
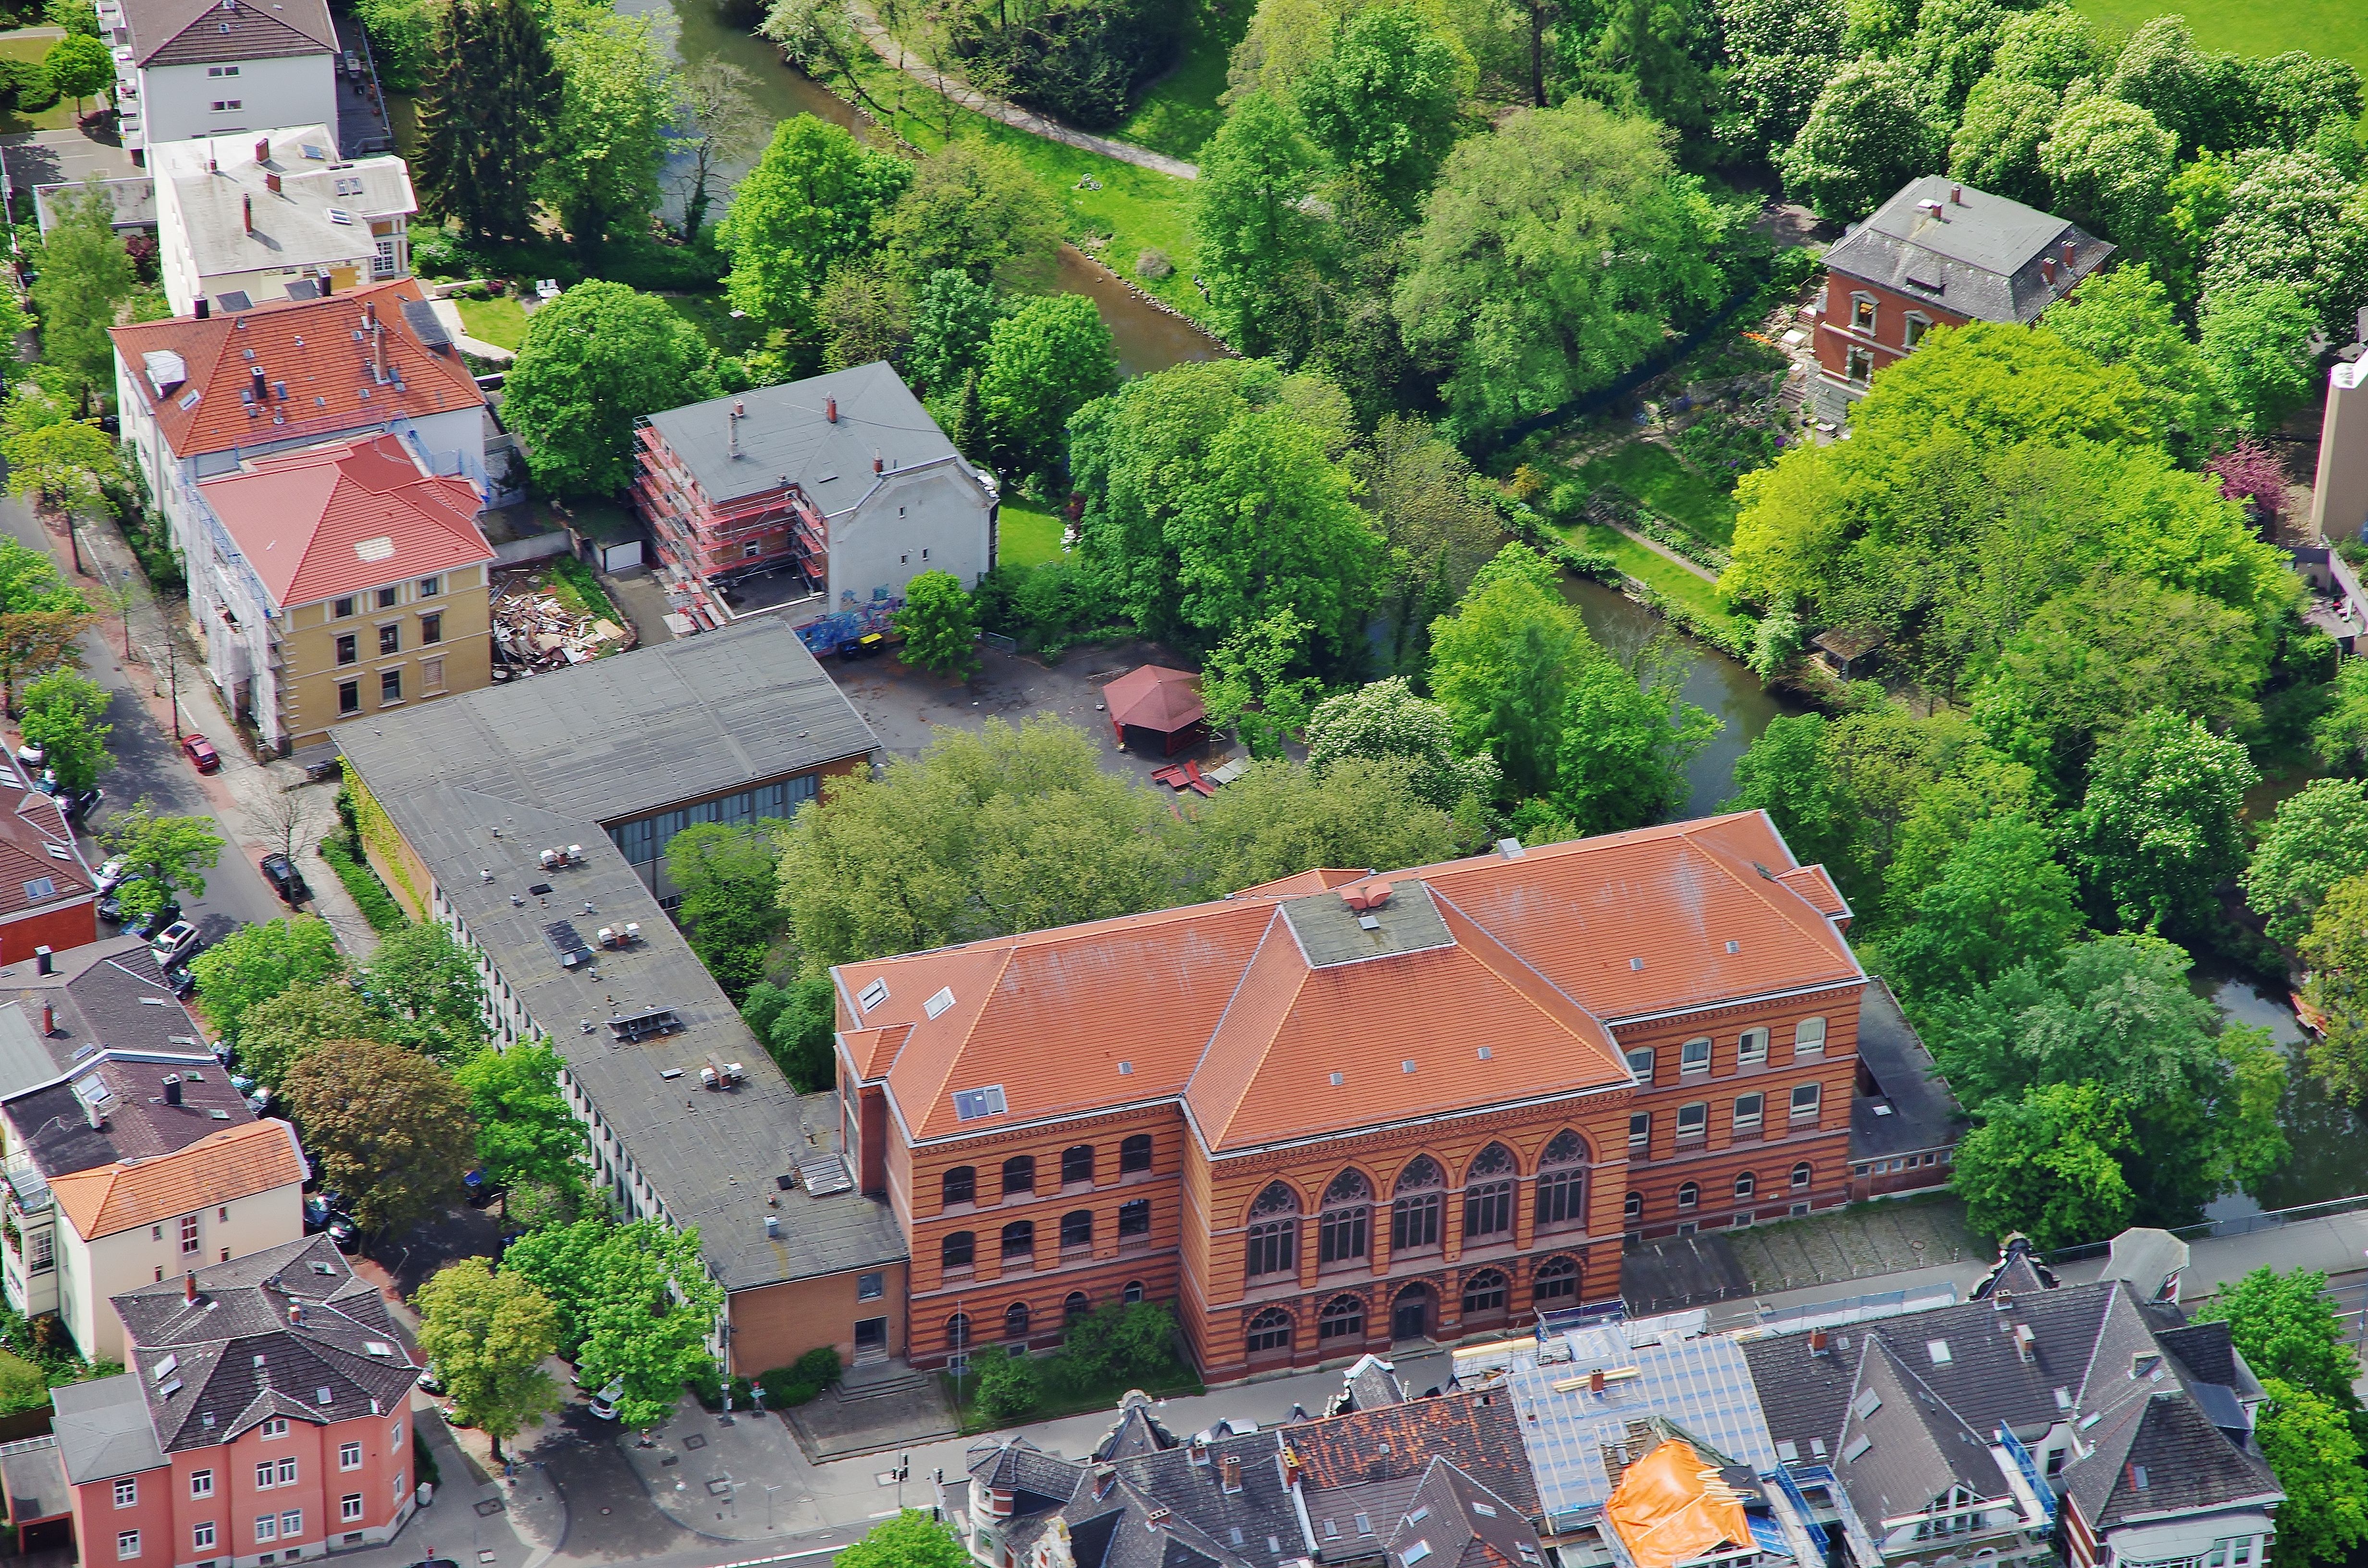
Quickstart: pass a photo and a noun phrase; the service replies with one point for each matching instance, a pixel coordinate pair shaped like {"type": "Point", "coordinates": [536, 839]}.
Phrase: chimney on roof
{"type": "Point", "coordinates": [189, 1288]}
{"type": "Point", "coordinates": [2047, 270]}
{"type": "Point", "coordinates": [377, 348]}
{"type": "Point", "coordinates": [49, 1020]}
{"type": "Point", "coordinates": [172, 1088]}
{"type": "Point", "coordinates": [1818, 1342]}
{"type": "Point", "coordinates": [271, 183]}
{"type": "Point", "coordinates": [830, 410]}
{"type": "Point", "coordinates": [1293, 1474]}
{"type": "Point", "coordinates": [43, 962]}
{"type": "Point", "coordinates": [732, 424]}
{"type": "Point", "coordinates": [262, 385]}
{"type": "Point", "coordinates": [370, 314]}
{"type": "Point", "coordinates": [1232, 1472]}
{"type": "Point", "coordinates": [2023, 1339]}
{"type": "Point", "coordinates": [878, 463]}
{"type": "Point", "coordinates": [246, 204]}
{"type": "Point", "coordinates": [263, 150]}
{"type": "Point", "coordinates": [1595, 1380]}
{"type": "Point", "coordinates": [1956, 196]}
{"type": "Point", "coordinates": [204, 307]}
{"type": "Point", "coordinates": [296, 1314]}
{"type": "Point", "coordinates": [1105, 1478]}
{"type": "Point", "coordinates": [2070, 251]}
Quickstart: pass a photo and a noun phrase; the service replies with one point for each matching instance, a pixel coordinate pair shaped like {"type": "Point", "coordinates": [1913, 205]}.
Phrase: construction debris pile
{"type": "Point", "coordinates": [532, 628]}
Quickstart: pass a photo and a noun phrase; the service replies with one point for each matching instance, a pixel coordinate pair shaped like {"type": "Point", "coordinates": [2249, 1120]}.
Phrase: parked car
{"type": "Point", "coordinates": [285, 879]}
{"type": "Point", "coordinates": [110, 876]}
{"type": "Point", "coordinates": [604, 1403]}
{"type": "Point", "coordinates": [200, 751]}
{"type": "Point", "coordinates": [82, 802]}
{"type": "Point", "coordinates": [30, 756]}
{"type": "Point", "coordinates": [184, 983]}
{"type": "Point", "coordinates": [345, 1234]}
{"type": "Point", "coordinates": [428, 1381]}
{"type": "Point", "coordinates": [147, 926]}
{"type": "Point", "coordinates": [174, 942]}
{"type": "Point", "coordinates": [479, 1190]}
{"type": "Point", "coordinates": [110, 900]}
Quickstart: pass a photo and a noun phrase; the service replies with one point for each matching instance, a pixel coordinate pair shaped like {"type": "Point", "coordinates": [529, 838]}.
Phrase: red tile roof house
{"type": "Point", "coordinates": [48, 896]}
{"type": "Point", "coordinates": [374, 581]}
{"type": "Point", "coordinates": [264, 1418]}
{"type": "Point", "coordinates": [1937, 254]}
{"type": "Point", "coordinates": [1341, 1109]}
{"type": "Point", "coordinates": [201, 397]}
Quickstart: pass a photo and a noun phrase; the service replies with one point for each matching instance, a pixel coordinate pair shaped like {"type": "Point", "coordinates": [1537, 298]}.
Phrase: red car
{"type": "Point", "coordinates": [200, 751]}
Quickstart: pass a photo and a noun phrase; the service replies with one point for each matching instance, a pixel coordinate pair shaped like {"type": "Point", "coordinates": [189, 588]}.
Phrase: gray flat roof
{"type": "Point", "coordinates": [103, 1429]}
{"type": "Point", "coordinates": [712, 1156]}
{"type": "Point", "coordinates": [786, 434]}
{"type": "Point", "coordinates": [35, 1474]}
{"type": "Point", "coordinates": [1924, 1114]}
{"type": "Point", "coordinates": [624, 736]}
{"type": "Point", "coordinates": [1979, 259]}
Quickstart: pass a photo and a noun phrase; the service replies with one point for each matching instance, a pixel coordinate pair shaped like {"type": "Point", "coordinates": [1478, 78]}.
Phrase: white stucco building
{"type": "Point", "coordinates": [195, 68]}
{"type": "Point", "coordinates": [245, 219]}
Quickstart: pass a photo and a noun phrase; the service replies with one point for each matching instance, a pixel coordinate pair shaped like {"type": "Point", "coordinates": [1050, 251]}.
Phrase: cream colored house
{"type": "Point", "coordinates": [245, 219]}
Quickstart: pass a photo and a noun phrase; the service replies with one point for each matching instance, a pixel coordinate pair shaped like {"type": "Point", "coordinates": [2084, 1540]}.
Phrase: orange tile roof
{"type": "Point", "coordinates": [1323, 878]}
{"type": "Point", "coordinates": [1245, 1008]}
{"type": "Point", "coordinates": [238, 1161]}
{"type": "Point", "coordinates": [338, 519]}
{"type": "Point", "coordinates": [316, 348]}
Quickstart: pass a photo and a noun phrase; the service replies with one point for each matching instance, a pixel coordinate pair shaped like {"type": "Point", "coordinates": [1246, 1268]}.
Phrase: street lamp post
{"type": "Point", "coordinates": [173, 677]}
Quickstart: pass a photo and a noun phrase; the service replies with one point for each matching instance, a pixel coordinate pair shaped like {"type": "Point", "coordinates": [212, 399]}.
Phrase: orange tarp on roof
{"type": "Point", "coordinates": [1671, 1508]}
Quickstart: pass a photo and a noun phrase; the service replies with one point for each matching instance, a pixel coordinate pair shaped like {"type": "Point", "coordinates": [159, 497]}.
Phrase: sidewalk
{"type": "Point", "coordinates": [244, 787]}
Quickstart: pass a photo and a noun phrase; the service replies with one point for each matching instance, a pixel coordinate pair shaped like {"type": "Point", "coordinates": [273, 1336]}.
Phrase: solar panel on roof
{"type": "Point", "coordinates": [571, 949]}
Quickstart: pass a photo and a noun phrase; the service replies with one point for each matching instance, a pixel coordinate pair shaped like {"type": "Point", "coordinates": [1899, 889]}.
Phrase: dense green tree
{"type": "Point", "coordinates": [2317, 839]}
{"type": "Point", "coordinates": [1648, 57]}
{"type": "Point", "coordinates": [1254, 682]}
{"type": "Point", "coordinates": [1626, 739]}
{"type": "Point", "coordinates": [2285, 1327]}
{"type": "Point", "coordinates": [615, 120]}
{"type": "Point", "coordinates": [82, 276]}
{"type": "Point", "coordinates": [953, 316]}
{"type": "Point", "coordinates": [403, 39]}
{"type": "Point", "coordinates": [527, 1133]}
{"type": "Point", "coordinates": [939, 626]}
{"type": "Point", "coordinates": [796, 1022]}
{"type": "Point", "coordinates": [488, 97]}
{"type": "Point", "coordinates": [487, 1332]}
{"type": "Point", "coordinates": [1260, 243]}
{"type": "Point", "coordinates": [2335, 952]}
{"type": "Point", "coordinates": [2110, 165]}
{"type": "Point", "coordinates": [911, 1539]}
{"type": "Point", "coordinates": [978, 208]}
{"type": "Point", "coordinates": [1439, 527]}
{"type": "Point", "coordinates": [389, 1125]}
{"type": "Point", "coordinates": [61, 462]}
{"type": "Point", "coordinates": [595, 359]}
{"type": "Point", "coordinates": [2339, 735]}
{"type": "Point", "coordinates": [1044, 361]}
{"type": "Point", "coordinates": [1952, 49]}
{"type": "Point", "coordinates": [1216, 492]}
{"type": "Point", "coordinates": [1867, 136]}
{"type": "Point", "coordinates": [2124, 316]}
{"type": "Point", "coordinates": [1880, 26]}
{"type": "Point", "coordinates": [1779, 57]}
{"type": "Point", "coordinates": [426, 983]}
{"type": "Point", "coordinates": [717, 101]}
{"type": "Point", "coordinates": [2257, 348]}
{"type": "Point", "coordinates": [2310, 1445]}
{"type": "Point", "coordinates": [254, 965]}
{"type": "Point", "coordinates": [1783, 773]}
{"type": "Point", "coordinates": [1977, 785]}
{"type": "Point", "coordinates": [1383, 101]}
{"type": "Point", "coordinates": [1508, 289]}
{"type": "Point", "coordinates": [730, 878]}
{"type": "Point", "coordinates": [2052, 45]}
{"type": "Point", "coordinates": [864, 313]}
{"type": "Point", "coordinates": [2001, 900]}
{"type": "Point", "coordinates": [63, 716]}
{"type": "Point", "coordinates": [636, 1305]}
{"type": "Point", "coordinates": [2116, 1014]}
{"type": "Point", "coordinates": [274, 1031]}
{"type": "Point", "coordinates": [75, 17]}
{"type": "Point", "coordinates": [2007, 122]}
{"type": "Point", "coordinates": [79, 67]}
{"type": "Point", "coordinates": [1006, 830]}
{"type": "Point", "coordinates": [1504, 666]}
{"type": "Point", "coordinates": [2297, 99]}
{"type": "Point", "coordinates": [814, 199]}
{"type": "Point", "coordinates": [163, 857]}
{"type": "Point", "coordinates": [2200, 193]}
{"type": "Point", "coordinates": [1280, 819]}
{"type": "Point", "coordinates": [2292, 219]}
{"type": "Point", "coordinates": [2048, 1164]}
{"type": "Point", "coordinates": [2158, 829]}
{"type": "Point", "coordinates": [1385, 719]}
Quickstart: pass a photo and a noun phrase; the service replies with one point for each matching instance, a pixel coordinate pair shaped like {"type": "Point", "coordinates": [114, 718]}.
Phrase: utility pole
{"type": "Point", "coordinates": [173, 676]}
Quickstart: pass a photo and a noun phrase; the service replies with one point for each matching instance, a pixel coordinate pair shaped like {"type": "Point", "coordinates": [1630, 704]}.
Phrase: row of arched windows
{"type": "Point", "coordinates": [1487, 1296]}
{"type": "Point", "coordinates": [1417, 1211]}
{"type": "Point", "coordinates": [1744, 1189]}
{"type": "Point", "coordinates": [959, 1187]}
{"type": "Point", "coordinates": [1018, 1320]}
{"type": "Point", "coordinates": [1017, 1248]}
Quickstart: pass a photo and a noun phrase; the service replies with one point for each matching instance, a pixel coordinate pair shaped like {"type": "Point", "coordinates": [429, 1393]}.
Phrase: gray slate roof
{"type": "Point", "coordinates": [103, 1429]}
{"type": "Point", "coordinates": [1924, 1114]}
{"type": "Point", "coordinates": [622, 737]}
{"type": "Point", "coordinates": [786, 435]}
{"type": "Point", "coordinates": [286, 1332]}
{"type": "Point", "coordinates": [1980, 258]}
{"type": "Point", "coordinates": [712, 1156]}
{"type": "Point", "coordinates": [1917, 1448]}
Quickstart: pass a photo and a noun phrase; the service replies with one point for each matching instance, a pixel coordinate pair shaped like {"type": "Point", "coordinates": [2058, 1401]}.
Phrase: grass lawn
{"type": "Point", "coordinates": [2251, 26]}
{"type": "Point", "coordinates": [711, 315]}
{"type": "Point", "coordinates": [1026, 534]}
{"type": "Point", "coordinates": [1652, 475]}
{"type": "Point", "coordinates": [59, 116]}
{"type": "Point", "coordinates": [1178, 112]}
{"type": "Point", "coordinates": [1137, 209]}
{"type": "Point", "coordinates": [501, 322]}
{"type": "Point", "coordinates": [1666, 576]}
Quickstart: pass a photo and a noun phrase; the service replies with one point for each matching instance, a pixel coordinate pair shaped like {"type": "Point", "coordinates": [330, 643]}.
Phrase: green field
{"type": "Point", "coordinates": [2251, 26]}
{"type": "Point", "coordinates": [501, 322]}
{"type": "Point", "coordinates": [1026, 534]}
{"type": "Point", "coordinates": [1178, 112]}
{"type": "Point", "coordinates": [1648, 566]}
{"type": "Point", "coordinates": [1654, 475]}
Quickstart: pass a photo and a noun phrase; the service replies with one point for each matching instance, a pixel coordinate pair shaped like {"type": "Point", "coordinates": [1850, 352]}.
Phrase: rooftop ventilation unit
{"type": "Point", "coordinates": [568, 947]}
{"type": "Point", "coordinates": [634, 1028]}
{"type": "Point", "coordinates": [824, 1175]}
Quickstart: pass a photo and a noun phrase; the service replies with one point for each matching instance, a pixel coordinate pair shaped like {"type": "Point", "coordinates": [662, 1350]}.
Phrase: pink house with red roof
{"type": "Point", "coordinates": [364, 586]}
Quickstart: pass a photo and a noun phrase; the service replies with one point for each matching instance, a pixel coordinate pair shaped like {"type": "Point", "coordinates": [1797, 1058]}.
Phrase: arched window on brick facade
{"type": "Point", "coordinates": [1489, 1194]}
{"type": "Point", "coordinates": [1270, 1333]}
{"type": "Point", "coordinates": [1077, 1165]}
{"type": "Point", "coordinates": [1273, 1245]}
{"type": "Point", "coordinates": [1746, 1186]}
{"type": "Point", "coordinates": [961, 1186]}
{"type": "Point", "coordinates": [1562, 1183]}
{"type": "Point", "coordinates": [1415, 1204]}
{"type": "Point", "coordinates": [1343, 1318]}
{"type": "Point", "coordinates": [958, 1251]}
{"type": "Point", "coordinates": [958, 1331]}
{"type": "Point", "coordinates": [1077, 1229]}
{"type": "Point", "coordinates": [1689, 1195]}
{"type": "Point", "coordinates": [1018, 1176]}
{"type": "Point", "coordinates": [1019, 1242]}
{"type": "Point", "coordinates": [1076, 1308]}
{"type": "Point", "coordinates": [1802, 1174]}
{"type": "Point", "coordinates": [1556, 1280]}
{"type": "Point", "coordinates": [1134, 1154]}
{"type": "Point", "coordinates": [1486, 1295]}
{"type": "Point", "coordinates": [1014, 1322]}
{"type": "Point", "coordinates": [1347, 1214]}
